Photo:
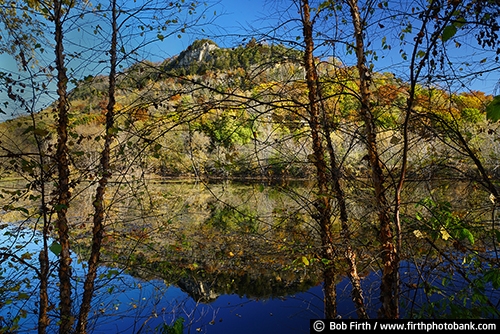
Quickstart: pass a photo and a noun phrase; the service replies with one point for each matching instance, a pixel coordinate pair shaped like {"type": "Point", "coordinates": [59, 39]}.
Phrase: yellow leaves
{"type": "Point", "coordinates": [231, 254]}
{"type": "Point", "coordinates": [266, 86]}
{"type": "Point", "coordinates": [305, 261]}
{"type": "Point", "coordinates": [444, 234]}
{"type": "Point", "coordinates": [193, 266]}
{"type": "Point", "coordinates": [418, 234]}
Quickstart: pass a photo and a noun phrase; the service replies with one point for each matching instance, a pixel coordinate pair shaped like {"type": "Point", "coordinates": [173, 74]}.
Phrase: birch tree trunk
{"type": "Point", "coordinates": [63, 188]}
{"type": "Point", "coordinates": [98, 221]}
{"type": "Point", "coordinates": [389, 283]}
{"type": "Point", "coordinates": [323, 202]}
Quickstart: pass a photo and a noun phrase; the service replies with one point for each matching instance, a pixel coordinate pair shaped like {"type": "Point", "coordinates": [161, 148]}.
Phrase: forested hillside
{"type": "Point", "coordinates": [239, 112]}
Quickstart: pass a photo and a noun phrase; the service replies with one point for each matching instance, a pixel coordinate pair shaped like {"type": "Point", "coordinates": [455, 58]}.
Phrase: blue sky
{"type": "Point", "coordinates": [234, 17]}
{"type": "Point", "coordinates": [231, 18]}
{"type": "Point", "coordinates": [231, 21]}
{"type": "Point", "coordinates": [228, 18]}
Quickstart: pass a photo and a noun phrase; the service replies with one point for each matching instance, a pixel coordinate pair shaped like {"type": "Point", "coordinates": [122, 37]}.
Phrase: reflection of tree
{"type": "Point", "coordinates": [193, 237]}
{"type": "Point", "coordinates": [228, 218]}
{"type": "Point", "coordinates": [220, 262]}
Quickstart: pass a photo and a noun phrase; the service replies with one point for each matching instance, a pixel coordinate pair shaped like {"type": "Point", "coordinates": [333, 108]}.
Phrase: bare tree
{"type": "Point", "coordinates": [98, 203]}
{"type": "Point", "coordinates": [328, 180]}
{"type": "Point", "coordinates": [63, 187]}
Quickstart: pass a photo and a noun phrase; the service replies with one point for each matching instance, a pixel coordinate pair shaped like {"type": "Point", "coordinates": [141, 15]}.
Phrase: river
{"type": "Point", "coordinates": [224, 257]}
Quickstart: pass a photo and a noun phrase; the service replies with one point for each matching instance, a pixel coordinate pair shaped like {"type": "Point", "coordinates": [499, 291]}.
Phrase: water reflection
{"type": "Point", "coordinates": [225, 257]}
{"type": "Point", "coordinates": [218, 256]}
{"type": "Point", "coordinates": [127, 304]}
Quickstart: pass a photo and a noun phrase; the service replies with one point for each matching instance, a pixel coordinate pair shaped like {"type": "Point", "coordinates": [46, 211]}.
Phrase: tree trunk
{"type": "Point", "coordinates": [63, 191]}
{"type": "Point", "coordinates": [43, 318]}
{"type": "Point", "coordinates": [323, 202]}
{"type": "Point", "coordinates": [349, 253]}
{"type": "Point", "coordinates": [43, 257]}
{"type": "Point", "coordinates": [98, 222]}
{"type": "Point", "coordinates": [389, 284]}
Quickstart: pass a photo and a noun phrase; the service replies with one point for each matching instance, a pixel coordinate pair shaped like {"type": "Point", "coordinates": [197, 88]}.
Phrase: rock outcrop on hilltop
{"type": "Point", "coordinates": [198, 54]}
{"type": "Point", "coordinates": [199, 51]}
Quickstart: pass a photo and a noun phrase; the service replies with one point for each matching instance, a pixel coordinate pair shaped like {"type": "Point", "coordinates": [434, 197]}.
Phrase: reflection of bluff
{"type": "Point", "coordinates": [204, 287]}
{"type": "Point", "coordinates": [199, 290]}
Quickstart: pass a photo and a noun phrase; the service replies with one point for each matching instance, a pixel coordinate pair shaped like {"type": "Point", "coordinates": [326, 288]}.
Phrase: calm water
{"type": "Point", "coordinates": [225, 258]}
{"type": "Point", "coordinates": [137, 306]}
{"type": "Point", "coordinates": [125, 304]}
